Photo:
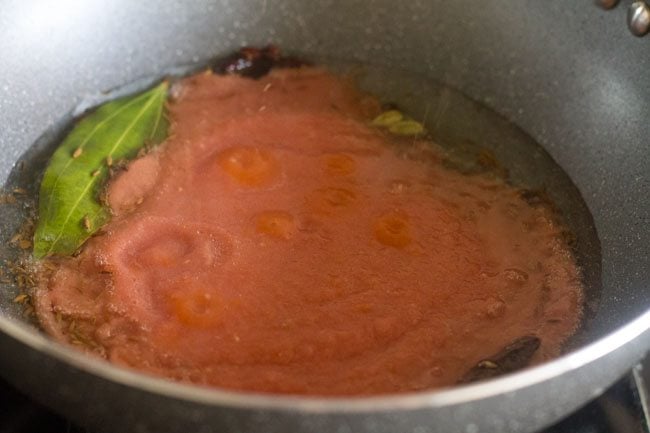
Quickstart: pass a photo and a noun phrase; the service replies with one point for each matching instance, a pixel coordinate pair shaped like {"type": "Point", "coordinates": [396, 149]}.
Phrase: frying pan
{"type": "Point", "coordinates": [568, 74]}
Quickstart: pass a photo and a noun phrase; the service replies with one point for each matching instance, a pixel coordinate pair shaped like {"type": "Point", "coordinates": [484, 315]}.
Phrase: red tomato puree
{"type": "Point", "coordinates": [277, 242]}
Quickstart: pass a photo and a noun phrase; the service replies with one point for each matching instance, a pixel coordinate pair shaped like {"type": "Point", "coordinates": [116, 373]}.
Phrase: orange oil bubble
{"type": "Point", "coordinates": [196, 307]}
{"type": "Point", "coordinates": [393, 229]}
{"type": "Point", "coordinates": [339, 164]}
{"type": "Point", "coordinates": [249, 166]}
{"type": "Point", "coordinates": [276, 224]}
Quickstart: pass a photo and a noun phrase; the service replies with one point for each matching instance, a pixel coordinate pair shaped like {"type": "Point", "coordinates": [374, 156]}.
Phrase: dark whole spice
{"type": "Point", "coordinates": [536, 197]}
{"type": "Point", "coordinates": [254, 62]}
{"type": "Point", "coordinates": [513, 357]}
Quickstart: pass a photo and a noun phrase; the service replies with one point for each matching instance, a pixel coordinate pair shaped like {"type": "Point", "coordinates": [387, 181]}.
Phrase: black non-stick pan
{"type": "Point", "coordinates": [557, 90]}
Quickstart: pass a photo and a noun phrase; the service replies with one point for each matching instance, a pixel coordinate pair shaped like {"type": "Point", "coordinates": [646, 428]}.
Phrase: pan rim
{"type": "Point", "coordinates": [626, 335]}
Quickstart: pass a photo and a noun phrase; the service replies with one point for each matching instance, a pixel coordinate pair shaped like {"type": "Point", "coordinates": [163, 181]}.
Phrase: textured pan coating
{"type": "Point", "coordinates": [568, 75]}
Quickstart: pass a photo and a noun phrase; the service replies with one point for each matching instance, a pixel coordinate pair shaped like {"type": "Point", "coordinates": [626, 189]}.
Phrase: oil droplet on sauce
{"type": "Point", "coordinates": [339, 164]}
{"type": "Point", "coordinates": [195, 306]}
{"type": "Point", "coordinates": [393, 229]}
{"type": "Point", "coordinates": [249, 166]}
{"type": "Point", "coordinates": [276, 224]}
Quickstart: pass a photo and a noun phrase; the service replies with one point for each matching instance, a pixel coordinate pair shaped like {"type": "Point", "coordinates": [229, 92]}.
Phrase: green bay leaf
{"type": "Point", "coordinates": [69, 209]}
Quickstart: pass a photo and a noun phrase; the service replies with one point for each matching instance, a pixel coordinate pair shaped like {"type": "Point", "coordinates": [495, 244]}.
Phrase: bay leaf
{"type": "Point", "coordinates": [69, 209]}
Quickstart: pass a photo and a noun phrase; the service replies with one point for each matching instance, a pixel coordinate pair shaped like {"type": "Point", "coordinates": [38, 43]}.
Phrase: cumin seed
{"type": "Point", "coordinates": [7, 199]}
{"type": "Point", "coordinates": [488, 364]}
{"type": "Point", "coordinates": [21, 298]}
{"type": "Point", "coordinates": [87, 224]}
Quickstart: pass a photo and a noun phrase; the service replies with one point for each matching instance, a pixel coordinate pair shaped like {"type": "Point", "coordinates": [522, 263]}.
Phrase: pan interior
{"type": "Point", "coordinates": [464, 127]}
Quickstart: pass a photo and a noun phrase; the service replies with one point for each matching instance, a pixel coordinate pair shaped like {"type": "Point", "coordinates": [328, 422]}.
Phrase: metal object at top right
{"type": "Point", "coordinates": [638, 18]}
{"type": "Point", "coordinates": [638, 15]}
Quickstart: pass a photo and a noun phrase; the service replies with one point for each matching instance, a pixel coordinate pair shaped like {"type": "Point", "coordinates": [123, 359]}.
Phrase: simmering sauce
{"type": "Point", "coordinates": [277, 242]}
